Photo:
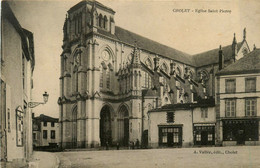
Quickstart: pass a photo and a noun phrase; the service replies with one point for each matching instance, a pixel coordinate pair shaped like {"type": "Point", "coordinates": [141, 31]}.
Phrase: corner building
{"type": "Point", "coordinates": [111, 77]}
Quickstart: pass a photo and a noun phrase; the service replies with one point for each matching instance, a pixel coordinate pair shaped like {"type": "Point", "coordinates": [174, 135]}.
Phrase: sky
{"type": "Point", "coordinates": [190, 32]}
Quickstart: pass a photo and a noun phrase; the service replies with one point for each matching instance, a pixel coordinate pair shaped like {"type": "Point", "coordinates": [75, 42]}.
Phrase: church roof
{"type": "Point", "coordinates": [250, 63]}
{"type": "Point", "coordinates": [212, 56]}
{"type": "Point", "coordinates": [152, 46]}
{"type": "Point", "coordinates": [185, 106]}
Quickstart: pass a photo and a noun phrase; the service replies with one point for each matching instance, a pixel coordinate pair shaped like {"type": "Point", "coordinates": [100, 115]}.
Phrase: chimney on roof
{"type": "Point", "coordinates": [221, 58]}
{"type": "Point", "coordinates": [244, 34]}
{"type": "Point", "coordinates": [234, 48]}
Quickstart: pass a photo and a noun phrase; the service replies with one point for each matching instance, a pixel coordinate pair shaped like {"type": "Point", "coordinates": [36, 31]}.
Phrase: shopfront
{"type": "Point", "coordinates": [204, 134]}
{"type": "Point", "coordinates": [240, 130]}
{"type": "Point", "coordinates": [170, 136]}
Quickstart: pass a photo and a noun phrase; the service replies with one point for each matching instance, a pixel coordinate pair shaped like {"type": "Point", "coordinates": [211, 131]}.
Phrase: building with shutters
{"type": "Point", "coordinates": [17, 65]}
{"type": "Point", "coordinates": [238, 101]}
{"type": "Point", "coordinates": [46, 131]}
{"type": "Point", "coordinates": [111, 77]}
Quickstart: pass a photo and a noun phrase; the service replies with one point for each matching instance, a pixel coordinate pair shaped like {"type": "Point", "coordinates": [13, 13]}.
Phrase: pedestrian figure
{"type": "Point", "coordinates": [133, 145]}
{"type": "Point", "coordinates": [117, 146]}
{"type": "Point", "coordinates": [106, 145]}
{"type": "Point", "coordinates": [137, 144]}
{"type": "Point", "coordinates": [130, 144]}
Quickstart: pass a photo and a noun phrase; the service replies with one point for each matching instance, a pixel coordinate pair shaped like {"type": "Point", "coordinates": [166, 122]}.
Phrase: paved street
{"type": "Point", "coordinates": [213, 157]}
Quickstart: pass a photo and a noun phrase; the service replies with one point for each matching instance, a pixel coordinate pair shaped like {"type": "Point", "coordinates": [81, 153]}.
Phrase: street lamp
{"type": "Point", "coordinates": [45, 100]}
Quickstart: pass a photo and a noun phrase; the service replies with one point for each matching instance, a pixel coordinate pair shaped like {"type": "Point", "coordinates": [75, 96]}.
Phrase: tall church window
{"type": "Point", "coordinates": [105, 22]}
{"type": "Point", "coordinates": [108, 79]}
{"type": "Point", "coordinates": [79, 24]}
{"type": "Point", "coordinates": [135, 78]}
{"type": "Point", "coordinates": [146, 80]}
{"type": "Point", "coordinates": [101, 78]}
{"type": "Point", "coordinates": [100, 20]}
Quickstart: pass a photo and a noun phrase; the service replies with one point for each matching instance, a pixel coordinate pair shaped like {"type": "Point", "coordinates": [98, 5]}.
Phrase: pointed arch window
{"type": "Point", "coordinates": [146, 80]}
{"type": "Point", "coordinates": [105, 22]}
{"type": "Point", "coordinates": [135, 79]}
{"type": "Point", "coordinates": [108, 79]}
{"type": "Point", "coordinates": [101, 78]}
{"type": "Point", "coordinates": [79, 23]}
{"type": "Point", "coordinates": [100, 20]}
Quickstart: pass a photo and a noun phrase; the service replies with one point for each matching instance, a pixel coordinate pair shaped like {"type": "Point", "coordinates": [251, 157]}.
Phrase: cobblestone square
{"type": "Point", "coordinates": [213, 157]}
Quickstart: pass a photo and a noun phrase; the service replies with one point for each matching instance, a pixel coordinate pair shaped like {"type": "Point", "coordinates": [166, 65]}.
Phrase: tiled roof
{"type": "Point", "coordinates": [212, 56]}
{"type": "Point", "coordinates": [186, 106]}
{"type": "Point", "coordinates": [250, 63]}
{"type": "Point", "coordinates": [43, 117]}
{"type": "Point", "coordinates": [149, 45]}
{"type": "Point", "coordinates": [152, 46]}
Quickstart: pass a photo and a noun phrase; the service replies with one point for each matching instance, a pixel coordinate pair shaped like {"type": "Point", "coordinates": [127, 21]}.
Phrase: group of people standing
{"type": "Point", "coordinates": [132, 145]}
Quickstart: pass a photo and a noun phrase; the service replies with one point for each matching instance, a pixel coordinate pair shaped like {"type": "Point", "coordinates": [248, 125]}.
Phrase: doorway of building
{"type": "Point", "coordinates": [74, 127]}
{"type": "Point", "coordinates": [241, 137]}
{"type": "Point", "coordinates": [123, 126]}
{"type": "Point", "coordinates": [170, 136]}
{"type": "Point", "coordinates": [3, 145]}
{"type": "Point", "coordinates": [105, 126]}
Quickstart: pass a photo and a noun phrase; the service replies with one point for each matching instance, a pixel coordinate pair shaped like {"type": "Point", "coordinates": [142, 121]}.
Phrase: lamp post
{"type": "Point", "coordinates": [28, 129]}
{"type": "Point", "coordinates": [35, 104]}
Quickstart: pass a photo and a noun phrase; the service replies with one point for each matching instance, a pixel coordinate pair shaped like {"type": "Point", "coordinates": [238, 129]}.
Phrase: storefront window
{"type": "Point", "coordinates": [198, 137]}
{"type": "Point", "coordinates": [210, 137]}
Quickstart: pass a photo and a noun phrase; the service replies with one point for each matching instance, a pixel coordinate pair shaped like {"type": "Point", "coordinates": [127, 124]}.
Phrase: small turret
{"type": "Point", "coordinates": [244, 34]}
{"type": "Point", "coordinates": [221, 58]}
{"type": "Point", "coordinates": [234, 47]}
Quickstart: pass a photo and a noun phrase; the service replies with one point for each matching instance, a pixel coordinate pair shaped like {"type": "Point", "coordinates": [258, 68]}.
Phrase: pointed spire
{"type": "Point", "coordinates": [254, 47]}
{"type": "Point", "coordinates": [93, 7]}
{"type": "Point", "coordinates": [244, 34]}
{"type": "Point", "coordinates": [135, 55]}
{"type": "Point", "coordinates": [234, 39]}
{"type": "Point", "coordinates": [221, 58]}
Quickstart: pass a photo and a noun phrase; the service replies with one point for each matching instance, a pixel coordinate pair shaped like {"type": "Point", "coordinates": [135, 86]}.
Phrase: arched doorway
{"type": "Point", "coordinates": [105, 126]}
{"type": "Point", "coordinates": [74, 127]}
{"type": "Point", "coordinates": [123, 126]}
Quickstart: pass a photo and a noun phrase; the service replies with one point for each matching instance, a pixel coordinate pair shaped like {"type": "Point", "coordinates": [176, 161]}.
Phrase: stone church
{"type": "Point", "coordinates": [111, 77]}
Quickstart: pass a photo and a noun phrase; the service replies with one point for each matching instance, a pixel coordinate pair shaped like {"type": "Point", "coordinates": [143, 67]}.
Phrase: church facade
{"type": "Point", "coordinates": [110, 78]}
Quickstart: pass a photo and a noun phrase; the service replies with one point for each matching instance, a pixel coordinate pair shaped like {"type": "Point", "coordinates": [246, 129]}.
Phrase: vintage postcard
{"type": "Point", "coordinates": [127, 83]}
